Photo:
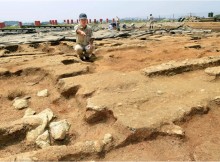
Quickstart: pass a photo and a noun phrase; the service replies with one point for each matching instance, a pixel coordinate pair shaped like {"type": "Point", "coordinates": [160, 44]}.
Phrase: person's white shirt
{"type": "Point", "coordinates": [151, 18]}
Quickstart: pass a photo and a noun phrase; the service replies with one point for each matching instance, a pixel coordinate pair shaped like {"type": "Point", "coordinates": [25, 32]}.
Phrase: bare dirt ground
{"type": "Point", "coordinates": [150, 118]}
{"type": "Point", "coordinates": [204, 25]}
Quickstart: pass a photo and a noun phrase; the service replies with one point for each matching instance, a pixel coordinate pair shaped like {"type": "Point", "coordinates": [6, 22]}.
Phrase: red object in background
{"type": "Point", "coordinates": [55, 22]}
{"type": "Point", "coordinates": [90, 21]}
{"type": "Point", "coordinates": [20, 24]}
{"type": "Point", "coordinates": [2, 25]}
{"type": "Point", "coordinates": [71, 21]}
{"type": "Point", "coordinates": [107, 20]}
{"type": "Point", "coordinates": [113, 20]}
{"type": "Point", "coordinates": [101, 20]}
{"type": "Point", "coordinates": [94, 20]}
{"type": "Point", "coordinates": [68, 21]}
{"type": "Point", "coordinates": [52, 22]}
{"type": "Point", "coordinates": [37, 23]}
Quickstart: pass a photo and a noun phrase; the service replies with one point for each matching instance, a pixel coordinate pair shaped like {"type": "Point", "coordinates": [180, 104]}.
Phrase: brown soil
{"type": "Point", "coordinates": [123, 55]}
{"type": "Point", "coordinates": [215, 26]}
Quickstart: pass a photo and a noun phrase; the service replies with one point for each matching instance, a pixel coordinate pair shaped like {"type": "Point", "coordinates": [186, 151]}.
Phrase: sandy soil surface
{"type": "Point", "coordinates": [135, 109]}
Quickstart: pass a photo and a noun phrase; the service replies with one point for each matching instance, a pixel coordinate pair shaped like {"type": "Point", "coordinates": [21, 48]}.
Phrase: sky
{"type": "Point", "coordinates": [45, 10]}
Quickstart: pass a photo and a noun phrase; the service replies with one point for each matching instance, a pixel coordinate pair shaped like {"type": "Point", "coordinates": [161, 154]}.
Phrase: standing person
{"type": "Point", "coordinates": [84, 38]}
{"type": "Point", "coordinates": [151, 20]}
{"type": "Point", "coordinates": [117, 23]}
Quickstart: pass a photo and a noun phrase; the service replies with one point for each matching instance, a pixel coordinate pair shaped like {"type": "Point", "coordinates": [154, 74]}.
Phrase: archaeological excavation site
{"type": "Point", "coordinates": [144, 95]}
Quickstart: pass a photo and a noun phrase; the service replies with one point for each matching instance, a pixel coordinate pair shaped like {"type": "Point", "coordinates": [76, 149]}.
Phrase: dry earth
{"type": "Point", "coordinates": [116, 109]}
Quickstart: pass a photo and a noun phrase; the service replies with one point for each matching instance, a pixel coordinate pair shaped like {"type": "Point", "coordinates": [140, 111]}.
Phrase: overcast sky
{"type": "Point", "coordinates": [44, 10]}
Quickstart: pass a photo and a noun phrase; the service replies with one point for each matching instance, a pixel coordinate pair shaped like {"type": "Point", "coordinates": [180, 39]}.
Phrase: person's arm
{"type": "Point", "coordinates": [78, 31]}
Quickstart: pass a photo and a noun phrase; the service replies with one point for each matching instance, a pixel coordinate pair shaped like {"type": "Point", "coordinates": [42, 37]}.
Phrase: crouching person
{"type": "Point", "coordinates": [84, 38]}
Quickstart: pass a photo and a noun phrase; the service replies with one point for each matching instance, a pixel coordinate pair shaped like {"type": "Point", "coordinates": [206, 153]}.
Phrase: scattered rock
{"type": "Point", "coordinates": [217, 100]}
{"type": "Point", "coordinates": [45, 117]}
{"type": "Point", "coordinates": [20, 103]}
{"type": "Point", "coordinates": [43, 93]}
{"type": "Point", "coordinates": [91, 105]}
{"type": "Point", "coordinates": [197, 46]}
{"type": "Point", "coordinates": [48, 113]}
{"type": "Point", "coordinates": [174, 67]}
{"type": "Point", "coordinates": [119, 104]}
{"type": "Point", "coordinates": [76, 151]}
{"type": "Point", "coordinates": [107, 138]}
{"type": "Point", "coordinates": [213, 71]}
{"type": "Point", "coordinates": [207, 31]}
{"type": "Point", "coordinates": [59, 129]}
{"type": "Point", "coordinates": [195, 38]}
{"type": "Point", "coordinates": [29, 112]}
{"type": "Point", "coordinates": [202, 90]}
{"type": "Point", "coordinates": [90, 146]}
{"type": "Point", "coordinates": [43, 140]}
{"type": "Point", "coordinates": [159, 92]}
{"type": "Point", "coordinates": [172, 129]}
{"type": "Point", "coordinates": [160, 32]}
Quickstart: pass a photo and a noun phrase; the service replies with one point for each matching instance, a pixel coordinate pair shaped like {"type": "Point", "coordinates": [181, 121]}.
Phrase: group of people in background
{"type": "Point", "coordinates": [116, 24]}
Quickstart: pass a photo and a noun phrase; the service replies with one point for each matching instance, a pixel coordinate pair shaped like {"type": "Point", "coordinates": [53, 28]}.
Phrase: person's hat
{"type": "Point", "coordinates": [82, 16]}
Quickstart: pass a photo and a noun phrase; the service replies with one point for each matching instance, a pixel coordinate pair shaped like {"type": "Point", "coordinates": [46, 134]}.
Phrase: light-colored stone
{"type": "Point", "coordinates": [20, 103]}
{"type": "Point", "coordinates": [119, 104]}
{"type": "Point", "coordinates": [171, 68]}
{"type": "Point", "coordinates": [43, 140]}
{"type": "Point", "coordinates": [172, 129]}
{"type": "Point", "coordinates": [159, 92]}
{"type": "Point", "coordinates": [213, 71]}
{"type": "Point", "coordinates": [45, 116]}
{"type": "Point", "coordinates": [90, 146]}
{"type": "Point", "coordinates": [59, 129]}
{"type": "Point", "coordinates": [176, 31]}
{"type": "Point", "coordinates": [48, 113]}
{"type": "Point", "coordinates": [29, 112]}
{"type": "Point", "coordinates": [98, 146]}
{"type": "Point", "coordinates": [107, 138]}
{"type": "Point", "coordinates": [43, 93]}
{"type": "Point", "coordinates": [56, 153]}
{"type": "Point", "coordinates": [91, 105]}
